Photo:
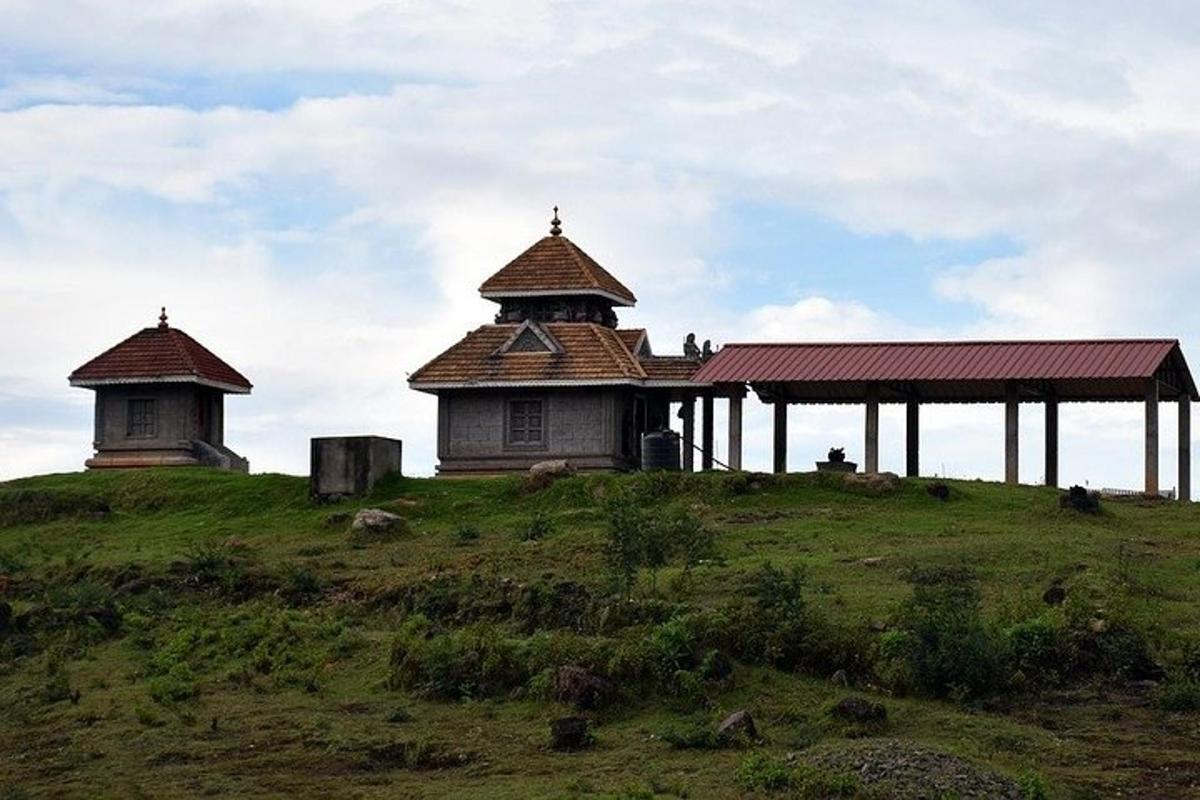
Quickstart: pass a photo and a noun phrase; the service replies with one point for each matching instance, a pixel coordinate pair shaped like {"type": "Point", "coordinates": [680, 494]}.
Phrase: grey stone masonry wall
{"type": "Point", "coordinates": [351, 465]}
{"type": "Point", "coordinates": [581, 426]}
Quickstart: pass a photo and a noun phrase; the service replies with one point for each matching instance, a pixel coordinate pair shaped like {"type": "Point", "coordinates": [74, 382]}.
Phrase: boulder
{"type": "Point", "coordinates": [1081, 500]}
{"type": "Point", "coordinates": [377, 522]}
{"type": "Point", "coordinates": [873, 482]}
{"type": "Point", "coordinates": [581, 688]}
{"type": "Point", "coordinates": [570, 733]}
{"type": "Point", "coordinates": [738, 726]}
{"type": "Point", "coordinates": [858, 710]}
{"type": "Point", "coordinates": [557, 468]}
{"type": "Point", "coordinates": [938, 491]}
{"type": "Point", "coordinates": [840, 678]}
{"type": "Point", "coordinates": [1054, 596]}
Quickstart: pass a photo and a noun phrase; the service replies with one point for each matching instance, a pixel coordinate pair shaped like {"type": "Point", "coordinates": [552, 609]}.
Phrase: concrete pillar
{"type": "Point", "coordinates": [912, 450]}
{"type": "Point", "coordinates": [1052, 441]}
{"type": "Point", "coordinates": [688, 412]}
{"type": "Point", "coordinates": [706, 433]}
{"type": "Point", "coordinates": [1152, 437]}
{"type": "Point", "coordinates": [781, 412]}
{"type": "Point", "coordinates": [1012, 437]}
{"type": "Point", "coordinates": [871, 446]}
{"type": "Point", "coordinates": [1185, 447]}
{"type": "Point", "coordinates": [735, 432]}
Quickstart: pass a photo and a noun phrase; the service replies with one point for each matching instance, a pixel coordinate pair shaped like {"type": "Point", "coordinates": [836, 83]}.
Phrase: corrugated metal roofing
{"type": "Point", "coordinates": [1103, 369]}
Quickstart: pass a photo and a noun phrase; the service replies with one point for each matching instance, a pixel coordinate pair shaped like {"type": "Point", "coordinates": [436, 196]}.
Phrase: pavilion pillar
{"type": "Point", "coordinates": [1012, 410]}
{"type": "Point", "coordinates": [871, 446]}
{"type": "Point", "coordinates": [781, 412]}
{"type": "Point", "coordinates": [735, 431]}
{"type": "Point", "coordinates": [1185, 446]}
{"type": "Point", "coordinates": [912, 450]}
{"type": "Point", "coordinates": [706, 433]}
{"type": "Point", "coordinates": [688, 413]}
{"type": "Point", "coordinates": [1152, 437]}
{"type": "Point", "coordinates": [1052, 441]}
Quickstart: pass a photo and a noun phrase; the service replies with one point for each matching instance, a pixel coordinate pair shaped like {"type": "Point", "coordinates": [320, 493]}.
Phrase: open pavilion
{"type": "Point", "coordinates": [1148, 371]}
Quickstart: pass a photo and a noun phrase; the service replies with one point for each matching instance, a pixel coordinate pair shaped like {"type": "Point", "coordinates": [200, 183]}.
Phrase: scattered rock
{"type": "Point", "coordinates": [873, 482]}
{"type": "Point", "coordinates": [581, 688]}
{"type": "Point", "coordinates": [858, 710]}
{"type": "Point", "coordinates": [1055, 595]}
{"type": "Point", "coordinates": [840, 678]}
{"type": "Point", "coordinates": [5, 615]}
{"type": "Point", "coordinates": [907, 771]}
{"type": "Point", "coordinates": [1097, 625]}
{"type": "Point", "coordinates": [377, 522]}
{"type": "Point", "coordinates": [938, 491]}
{"type": "Point", "coordinates": [872, 561]}
{"type": "Point", "coordinates": [738, 726]}
{"type": "Point", "coordinates": [1142, 685]}
{"type": "Point", "coordinates": [878, 625]}
{"type": "Point", "coordinates": [1081, 500]}
{"type": "Point", "coordinates": [559, 468]}
{"type": "Point", "coordinates": [570, 733]}
{"type": "Point", "coordinates": [338, 519]}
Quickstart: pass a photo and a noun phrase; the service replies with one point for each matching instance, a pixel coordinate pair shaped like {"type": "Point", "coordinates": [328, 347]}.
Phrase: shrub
{"type": "Point", "coordinates": [299, 584]}
{"type": "Point", "coordinates": [466, 533]}
{"type": "Point", "coordinates": [540, 526]}
{"type": "Point", "coordinates": [636, 539]}
{"type": "Point", "coordinates": [178, 684]}
{"type": "Point", "coordinates": [1180, 696]}
{"type": "Point", "coordinates": [1035, 650]}
{"type": "Point", "coordinates": [947, 649]}
{"type": "Point", "coordinates": [693, 737]}
{"type": "Point", "coordinates": [759, 771]}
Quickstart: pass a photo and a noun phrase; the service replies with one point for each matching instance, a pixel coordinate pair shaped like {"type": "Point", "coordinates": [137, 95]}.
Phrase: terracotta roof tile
{"type": "Point", "coordinates": [631, 337]}
{"type": "Point", "coordinates": [590, 353]}
{"type": "Point", "coordinates": [158, 353]}
{"type": "Point", "coordinates": [670, 368]}
{"type": "Point", "coordinates": [554, 264]}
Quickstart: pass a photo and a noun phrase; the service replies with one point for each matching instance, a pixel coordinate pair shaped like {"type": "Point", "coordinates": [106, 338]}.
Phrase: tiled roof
{"type": "Point", "coordinates": [555, 265]}
{"type": "Point", "coordinates": [591, 354]}
{"type": "Point", "coordinates": [159, 354]}
{"type": "Point", "coordinates": [670, 368]}
{"type": "Point", "coordinates": [632, 337]}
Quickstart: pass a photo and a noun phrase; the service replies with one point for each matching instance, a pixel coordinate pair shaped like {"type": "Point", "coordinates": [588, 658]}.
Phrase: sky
{"type": "Point", "coordinates": [315, 191]}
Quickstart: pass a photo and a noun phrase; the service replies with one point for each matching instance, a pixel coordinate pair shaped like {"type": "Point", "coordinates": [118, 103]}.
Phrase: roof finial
{"type": "Point", "coordinates": [162, 318]}
{"type": "Point", "coordinates": [555, 224]}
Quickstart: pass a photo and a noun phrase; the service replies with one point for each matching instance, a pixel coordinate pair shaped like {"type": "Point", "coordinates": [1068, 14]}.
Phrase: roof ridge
{"type": "Point", "coordinates": [606, 341]}
{"type": "Point", "coordinates": [180, 343]}
{"type": "Point", "coordinates": [121, 343]}
{"type": "Point", "coordinates": [577, 255]}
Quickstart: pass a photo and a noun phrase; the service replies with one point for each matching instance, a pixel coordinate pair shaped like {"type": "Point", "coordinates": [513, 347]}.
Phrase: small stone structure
{"type": "Point", "coordinates": [160, 402]}
{"type": "Point", "coordinates": [351, 465]}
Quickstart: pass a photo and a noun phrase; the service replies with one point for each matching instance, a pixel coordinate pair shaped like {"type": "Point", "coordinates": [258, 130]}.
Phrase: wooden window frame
{"type": "Point", "coordinates": [135, 424]}
{"type": "Point", "coordinates": [512, 431]}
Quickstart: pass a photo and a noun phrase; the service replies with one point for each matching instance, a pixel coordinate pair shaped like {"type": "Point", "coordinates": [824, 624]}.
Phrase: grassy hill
{"type": "Point", "coordinates": [184, 633]}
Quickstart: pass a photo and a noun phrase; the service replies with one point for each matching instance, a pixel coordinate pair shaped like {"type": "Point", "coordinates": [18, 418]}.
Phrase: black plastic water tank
{"type": "Point", "coordinates": [660, 450]}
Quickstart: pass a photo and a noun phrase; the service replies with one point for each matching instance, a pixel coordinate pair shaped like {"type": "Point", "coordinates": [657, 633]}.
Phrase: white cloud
{"type": "Point", "coordinates": [1075, 135]}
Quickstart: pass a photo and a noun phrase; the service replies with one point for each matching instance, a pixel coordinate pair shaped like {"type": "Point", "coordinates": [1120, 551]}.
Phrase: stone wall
{"type": "Point", "coordinates": [582, 426]}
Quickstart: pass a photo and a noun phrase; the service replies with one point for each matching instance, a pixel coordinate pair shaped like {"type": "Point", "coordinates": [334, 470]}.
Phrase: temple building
{"type": "Point", "coordinates": [160, 401]}
{"type": "Point", "coordinates": [554, 376]}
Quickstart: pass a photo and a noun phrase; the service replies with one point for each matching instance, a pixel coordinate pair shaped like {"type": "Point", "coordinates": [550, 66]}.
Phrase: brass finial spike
{"type": "Point", "coordinates": [555, 224]}
{"type": "Point", "coordinates": [162, 318]}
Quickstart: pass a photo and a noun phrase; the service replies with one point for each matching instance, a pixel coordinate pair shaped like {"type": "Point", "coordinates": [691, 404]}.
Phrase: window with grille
{"type": "Point", "coordinates": [525, 422]}
{"type": "Point", "coordinates": [141, 419]}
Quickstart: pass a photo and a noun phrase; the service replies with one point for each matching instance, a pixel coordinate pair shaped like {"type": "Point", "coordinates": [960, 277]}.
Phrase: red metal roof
{"type": "Point", "coordinates": [159, 354]}
{"type": "Point", "coordinates": [1097, 369]}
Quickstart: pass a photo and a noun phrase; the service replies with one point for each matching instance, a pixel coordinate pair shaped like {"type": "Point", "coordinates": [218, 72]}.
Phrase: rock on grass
{"type": "Point", "coordinates": [907, 771]}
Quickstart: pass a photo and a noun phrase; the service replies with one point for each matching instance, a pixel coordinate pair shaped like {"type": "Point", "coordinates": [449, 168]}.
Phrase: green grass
{"type": "Point", "coordinates": [254, 652]}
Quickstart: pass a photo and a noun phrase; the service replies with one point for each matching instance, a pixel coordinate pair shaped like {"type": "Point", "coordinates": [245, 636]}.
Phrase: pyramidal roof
{"type": "Point", "coordinates": [160, 355]}
{"type": "Point", "coordinates": [555, 265]}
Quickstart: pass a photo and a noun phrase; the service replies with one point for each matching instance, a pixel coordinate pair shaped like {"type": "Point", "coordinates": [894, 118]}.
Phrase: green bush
{"type": "Point", "coordinates": [760, 771]}
{"type": "Point", "coordinates": [946, 648]}
{"type": "Point", "coordinates": [540, 526]}
{"type": "Point", "coordinates": [1180, 696]}
{"type": "Point", "coordinates": [1035, 649]}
